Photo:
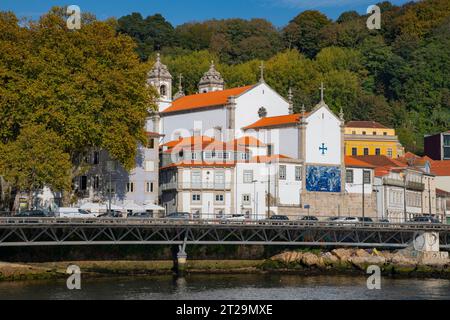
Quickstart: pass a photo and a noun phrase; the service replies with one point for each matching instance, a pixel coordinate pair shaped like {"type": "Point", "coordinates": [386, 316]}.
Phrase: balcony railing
{"type": "Point", "coordinates": [195, 186]}
{"type": "Point", "coordinates": [412, 185]}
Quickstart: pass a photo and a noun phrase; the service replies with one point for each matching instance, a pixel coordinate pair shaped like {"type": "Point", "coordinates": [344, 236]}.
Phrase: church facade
{"type": "Point", "coordinates": [310, 145]}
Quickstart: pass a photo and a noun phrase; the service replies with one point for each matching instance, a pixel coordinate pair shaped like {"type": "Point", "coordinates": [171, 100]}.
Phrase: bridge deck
{"type": "Point", "coordinates": [56, 231]}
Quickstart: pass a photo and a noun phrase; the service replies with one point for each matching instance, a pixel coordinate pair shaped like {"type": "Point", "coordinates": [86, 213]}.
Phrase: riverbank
{"type": "Point", "coordinates": [304, 262]}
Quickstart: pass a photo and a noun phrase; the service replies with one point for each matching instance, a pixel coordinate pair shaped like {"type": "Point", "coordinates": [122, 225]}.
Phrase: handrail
{"type": "Point", "coordinates": [12, 221]}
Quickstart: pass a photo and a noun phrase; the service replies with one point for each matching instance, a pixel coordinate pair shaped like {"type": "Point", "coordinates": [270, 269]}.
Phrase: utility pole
{"type": "Point", "coordinates": [363, 195]}
{"type": "Point", "coordinates": [404, 198]}
{"type": "Point", "coordinates": [429, 194]}
{"type": "Point", "coordinates": [268, 193]}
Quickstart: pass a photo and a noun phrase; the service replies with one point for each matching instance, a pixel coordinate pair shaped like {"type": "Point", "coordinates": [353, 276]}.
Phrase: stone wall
{"type": "Point", "coordinates": [332, 204]}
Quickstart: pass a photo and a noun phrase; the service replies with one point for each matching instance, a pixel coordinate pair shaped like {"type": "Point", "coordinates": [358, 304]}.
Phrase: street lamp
{"type": "Point", "coordinates": [110, 167]}
{"type": "Point", "coordinates": [254, 199]}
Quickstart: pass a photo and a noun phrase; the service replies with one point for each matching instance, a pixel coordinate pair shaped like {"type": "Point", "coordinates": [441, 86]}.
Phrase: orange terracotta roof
{"type": "Point", "coordinates": [152, 134]}
{"type": "Point", "coordinates": [268, 122]}
{"type": "Point", "coordinates": [357, 163]}
{"type": "Point", "coordinates": [203, 100]}
{"type": "Point", "coordinates": [249, 141]}
{"type": "Point", "coordinates": [440, 168]}
{"type": "Point", "coordinates": [382, 171]}
{"type": "Point", "coordinates": [365, 124]}
{"type": "Point", "coordinates": [382, 161]}
{"type": "Point", "coordinates": [189, 141]}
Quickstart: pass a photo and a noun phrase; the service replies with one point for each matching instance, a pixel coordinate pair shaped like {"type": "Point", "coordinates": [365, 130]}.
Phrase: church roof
{"type": "Point", "coordinates": [204, 100]}
{"type": "Point", "coordinates": [365, 124]}
{"type": "Point", "coordinates": [267, 122]}
{"type": "Point", "coordinates": [249, 141]}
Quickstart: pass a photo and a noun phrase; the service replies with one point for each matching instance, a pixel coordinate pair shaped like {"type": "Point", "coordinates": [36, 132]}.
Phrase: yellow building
{"type": "Point", "coordinates": [371, 138]}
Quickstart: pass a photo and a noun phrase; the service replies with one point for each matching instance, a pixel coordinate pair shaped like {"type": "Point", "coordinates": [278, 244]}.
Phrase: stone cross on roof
{"type": "Point", "coordinates": [322, 89]}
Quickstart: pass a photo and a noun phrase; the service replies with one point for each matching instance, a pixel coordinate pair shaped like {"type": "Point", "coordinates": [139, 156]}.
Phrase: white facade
{"type": "Point", "coordinates": [323, 137]}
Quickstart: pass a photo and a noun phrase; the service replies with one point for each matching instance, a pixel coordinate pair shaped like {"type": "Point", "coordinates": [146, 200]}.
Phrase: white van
{"type": "Point", "coordinates": [74, 213]}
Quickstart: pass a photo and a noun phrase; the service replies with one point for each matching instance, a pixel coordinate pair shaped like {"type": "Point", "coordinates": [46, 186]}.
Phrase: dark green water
{"type": "Point", "coordinates": [234, 287]}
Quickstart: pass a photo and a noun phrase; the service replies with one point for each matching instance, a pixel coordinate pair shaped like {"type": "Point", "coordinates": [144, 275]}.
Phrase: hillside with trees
{"type": "Point", "coordinates": [399, 75]}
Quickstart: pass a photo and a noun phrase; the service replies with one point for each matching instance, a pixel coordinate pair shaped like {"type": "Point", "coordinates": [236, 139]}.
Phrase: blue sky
{"type": "Point", "coordinates": [179, 11]}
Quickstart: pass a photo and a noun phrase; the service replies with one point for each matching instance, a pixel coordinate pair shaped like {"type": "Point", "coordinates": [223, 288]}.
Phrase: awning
{"type": "Point", "coordinates": [131, 206]}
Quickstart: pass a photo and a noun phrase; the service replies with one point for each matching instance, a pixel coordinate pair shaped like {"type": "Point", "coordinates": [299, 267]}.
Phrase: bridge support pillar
{"type": "Point", "coordinates": [427, 248]}
{"type": "Point", "coordinates": [179, 259]}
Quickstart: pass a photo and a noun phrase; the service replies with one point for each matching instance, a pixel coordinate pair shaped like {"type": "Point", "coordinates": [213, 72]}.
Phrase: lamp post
{"type": "Point", "coordinates": [254, 199]}
{"type": "Point", "coordinates": [110, 166]}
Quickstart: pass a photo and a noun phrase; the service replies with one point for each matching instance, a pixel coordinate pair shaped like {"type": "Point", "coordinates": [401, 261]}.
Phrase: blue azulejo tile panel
{"type": "Point", "coordinates": [323, 179]}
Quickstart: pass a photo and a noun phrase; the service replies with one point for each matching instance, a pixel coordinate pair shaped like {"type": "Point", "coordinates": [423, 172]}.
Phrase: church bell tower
{"type": "Point", "coordinates": [211, 81]}
{"type": "Point", "coordinates": [161, 79]}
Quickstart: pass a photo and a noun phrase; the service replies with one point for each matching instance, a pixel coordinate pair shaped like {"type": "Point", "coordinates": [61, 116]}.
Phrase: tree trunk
{"type": "Point", "coordinates": [30, 200]}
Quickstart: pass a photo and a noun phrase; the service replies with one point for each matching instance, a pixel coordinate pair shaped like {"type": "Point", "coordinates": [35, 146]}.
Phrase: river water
{"type": "Point", "coordinates": [230, 287]}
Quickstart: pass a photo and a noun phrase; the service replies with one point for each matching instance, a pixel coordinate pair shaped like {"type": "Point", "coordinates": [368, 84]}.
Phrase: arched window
{"type": "Point", "coordinates": [163, 90]}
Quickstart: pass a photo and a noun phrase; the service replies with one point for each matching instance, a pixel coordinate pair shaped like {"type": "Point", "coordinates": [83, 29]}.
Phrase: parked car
{"type": "Point", "coordinates": [141, 215]}
{"type": "Point", "coordinates": [111, 214]}
{"type": "Point", "coordinates": [179, 216]}
{"type": "Point", "coordinates": [34, 214]}
{"type": "Point", "coordinates": [425, 219]}
{"type": "Point", "coordinates": [236, 217]}
{"type": "Point", "coordinates": [347, 220]}
{"type": "Point", "coordinates": [384, 221]}
{"type": "Point", "coordinates": [74, 213]}
{"type": "Point", "coordinates": [309, 218]}
{"type": "Point", "coordinates": [279, 218]}
{"type": "Point", "coordinates": [365, 220]}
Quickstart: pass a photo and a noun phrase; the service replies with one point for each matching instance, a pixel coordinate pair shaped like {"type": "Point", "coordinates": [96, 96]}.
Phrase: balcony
{"type": "Point", "coordinates": [195, 186]}
{"type": "Point", "coordinates": [411, 185]}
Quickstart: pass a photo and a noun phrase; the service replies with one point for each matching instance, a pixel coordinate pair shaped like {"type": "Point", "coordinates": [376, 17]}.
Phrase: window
{"type": "Point", "coordinates": [364, 133]}
{"type": "Point", "coordinates": [130, 187]}
{"type": "Point", "coordinates": [349, 176]}
{"type": "Point", "coordinates": [246, 199]}
{"type": "Point", "coordinates": [149, 187]}
{"type": "Point", "coordinates": [354, 152]}
{"type": "Point", "coordinates": [219, 179]}
{"type": "Point", "coordinates": [151, 143]}
{"type": "Point", "coordinates": [262, 112]}
{"type": "Point", "coordinates": [96, 157]}
{"type": "Point", "coordinates": [163, 90]}
{"type": "Point", "coordinates": [245, 156]}
{"type": "Point", "coordinates": [219, 198]}
{"type": "Point", "coordinates": [282, 173]}
{"type": "Point", "coordinates": [353, 132]}
{"type": "Point", "coordinates": [366, 151]}
{"type": "Point", "coordinates": [193, 156]}
{"type": "Point", "coordinates": [384, 133]}
{"type": "Point", "coordinates": [377, 151]}
{"type": "Point", "coordinates": [196, 179]}
{"type": "Point", "coordinates": [83, 183]}
{"type": "Point", "coordinates": [298, 173]}
{"type": "Point", "coordinates": [248, 176]}
{"type": "Point", "coordinates": [269, 149]}
{"type": "Point", "coordinates": [196, 197]}
{"type": "Point", "coordinates": [389, 153]}
{"type": "Point", "coordinates": [374, 133]}
{"type": "Point", "coordinates": [96, 183]}
{"type": "Point", "coordinates": [367, 177]}
{"type": "Point", "coordinates": [149, 166]}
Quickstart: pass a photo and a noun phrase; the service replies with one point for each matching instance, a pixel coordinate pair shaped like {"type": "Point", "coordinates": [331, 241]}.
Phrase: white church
{"type": "Point", "coordinates": [243, 150]}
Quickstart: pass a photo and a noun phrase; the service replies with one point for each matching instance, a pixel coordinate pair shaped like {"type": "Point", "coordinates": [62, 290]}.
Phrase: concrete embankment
{"type": "Point", "coordinates": [309, 262]}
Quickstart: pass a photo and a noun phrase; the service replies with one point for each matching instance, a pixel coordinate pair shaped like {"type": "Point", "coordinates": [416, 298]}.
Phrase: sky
{"type": "Point", "coordinates": [279, 12]}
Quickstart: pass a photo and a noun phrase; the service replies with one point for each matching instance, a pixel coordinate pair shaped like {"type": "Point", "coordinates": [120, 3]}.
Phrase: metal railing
{"type": "Point", "coordinates": [195, 186]}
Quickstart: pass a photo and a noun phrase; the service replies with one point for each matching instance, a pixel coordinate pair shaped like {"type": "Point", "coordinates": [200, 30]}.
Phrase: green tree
{"type": "Point", "coordinates": [87, 86]}
{"type": "Point", "coordinates": [34, 160]}
{"type": "Point", "coordinates": [303, 32]}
